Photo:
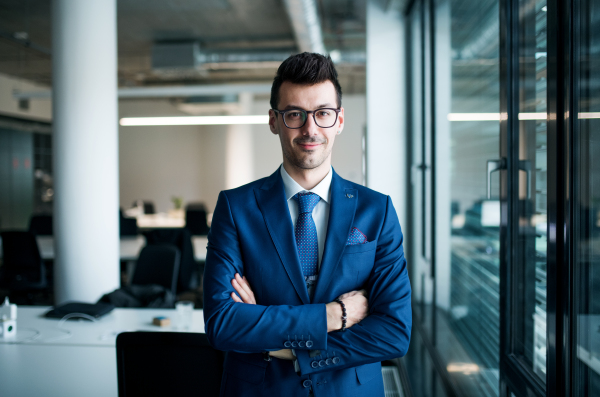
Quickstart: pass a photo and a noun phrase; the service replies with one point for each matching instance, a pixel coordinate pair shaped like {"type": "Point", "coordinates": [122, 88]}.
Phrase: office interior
{"type": "Point", "coordinates": [476, 117]}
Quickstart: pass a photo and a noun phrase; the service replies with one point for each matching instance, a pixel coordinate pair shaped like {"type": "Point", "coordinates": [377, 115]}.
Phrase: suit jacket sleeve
{"type": "Point", "coordinates": [241, 327]}
{"type": "Point", "coordinates": [385, 333]}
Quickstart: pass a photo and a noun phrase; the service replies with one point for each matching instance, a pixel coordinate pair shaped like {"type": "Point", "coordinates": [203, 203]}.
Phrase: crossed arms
{"type": "Point", "coordinates": [356, 304]}
{"type": "Point", "coordinates": [253, 328]}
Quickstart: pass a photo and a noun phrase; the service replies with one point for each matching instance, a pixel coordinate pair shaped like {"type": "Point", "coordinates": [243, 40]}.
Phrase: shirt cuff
{"type": "Point", "coordinates": [296, 365]}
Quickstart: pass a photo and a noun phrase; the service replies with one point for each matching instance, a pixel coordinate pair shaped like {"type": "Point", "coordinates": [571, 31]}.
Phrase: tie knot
{"type": "Point", "coordinates": [306, 202]}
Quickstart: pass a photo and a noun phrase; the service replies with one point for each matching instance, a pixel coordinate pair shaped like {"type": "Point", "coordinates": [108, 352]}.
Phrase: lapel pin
{"type": "Point", "coordinates": [349, 195]}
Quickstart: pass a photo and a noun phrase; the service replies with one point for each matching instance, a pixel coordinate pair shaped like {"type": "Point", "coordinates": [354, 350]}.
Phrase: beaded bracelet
{"type": "Point", "coordinates": [344, 317]}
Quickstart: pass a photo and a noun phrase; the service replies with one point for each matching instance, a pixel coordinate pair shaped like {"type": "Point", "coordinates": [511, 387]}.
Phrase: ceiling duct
{"type": "Point", "coordinates": [175, 55]}
{"type": "Point", "coordinates": [170, 57]}
{"type": "Point", "coordinates": [209, 105]}
{"type": "Point", "coordinates": [306, 24]}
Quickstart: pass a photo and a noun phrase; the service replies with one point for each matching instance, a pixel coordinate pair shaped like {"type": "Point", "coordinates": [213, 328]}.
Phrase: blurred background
{"type": "Point", "coordinates": [120, 123]}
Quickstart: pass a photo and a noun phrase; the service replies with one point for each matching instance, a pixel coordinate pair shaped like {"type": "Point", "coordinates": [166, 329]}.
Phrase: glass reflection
{"type": "Point", "coordinates": [587, 206]}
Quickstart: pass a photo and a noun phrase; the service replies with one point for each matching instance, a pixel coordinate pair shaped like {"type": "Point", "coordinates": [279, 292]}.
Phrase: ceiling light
{"type": "Point", "coordinates": [473, 116]}
{"type": "Point", "coordinates": [194, 120]}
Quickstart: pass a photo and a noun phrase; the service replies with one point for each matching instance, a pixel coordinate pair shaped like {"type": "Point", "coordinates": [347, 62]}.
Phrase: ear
{"type": "Point", "coordinates": [273, 122]}
{"type": "Point", "coordinates": [340, 127]}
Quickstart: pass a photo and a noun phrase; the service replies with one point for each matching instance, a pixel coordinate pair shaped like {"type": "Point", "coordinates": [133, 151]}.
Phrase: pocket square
{"type": "Point", "coordinates": [356, 237]}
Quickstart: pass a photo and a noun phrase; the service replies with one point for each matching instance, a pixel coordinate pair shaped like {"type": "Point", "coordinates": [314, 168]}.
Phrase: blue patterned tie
{"type": "Point", "coordinates": [306, 233]}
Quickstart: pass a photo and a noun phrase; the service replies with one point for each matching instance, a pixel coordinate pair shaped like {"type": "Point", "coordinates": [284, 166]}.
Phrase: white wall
{"type": "Point", "coordinates": [156, 163]}
{"type": "Point", "coordinates": [39, 109]}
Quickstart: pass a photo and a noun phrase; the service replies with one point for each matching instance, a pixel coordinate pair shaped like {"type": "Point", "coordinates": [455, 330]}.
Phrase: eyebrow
{"type": "Point", "coordinates": [326, 105]}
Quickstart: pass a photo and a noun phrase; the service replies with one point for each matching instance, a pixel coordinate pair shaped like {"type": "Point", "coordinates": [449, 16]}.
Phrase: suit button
{"type": "Point", "coordinates": [294, 344]}
{"type": "Point", "coordinates": [322, 363]}
{"type": "Point", "coordinates": [301, 343]}
{"type": "Point", "coordinates": [309, 344]}
{"type": "Point", "coordinates": [328, 361]}
{"type": "Point", "coordinates": [287, 343]}
{"type": "Point", "coordinates": [336, 360]}
{"type": "Point", "coordinates": [307, 383]}
{"type": "Point", "coordinates": [314, 364]}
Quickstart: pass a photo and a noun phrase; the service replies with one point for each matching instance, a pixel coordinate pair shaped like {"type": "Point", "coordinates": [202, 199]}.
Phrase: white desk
{"type": "Point", "coordinates": [160, 220]}
{"type": "Point", "coordinates": [83, 364]}
{"type": "Point", "coordinates": [129, 247]}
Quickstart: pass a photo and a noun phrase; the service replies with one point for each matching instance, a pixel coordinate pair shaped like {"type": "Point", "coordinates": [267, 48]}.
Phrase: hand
{"type": "Point", "coordinates": [357, 308]}
{"type": "Point", "coordinates": [284, 354]}
{"type": "Point", "coordinates": [242, 287]}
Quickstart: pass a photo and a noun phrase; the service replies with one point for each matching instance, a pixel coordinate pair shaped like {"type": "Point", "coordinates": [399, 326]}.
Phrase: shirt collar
{"type": "Point", "coordinates": [292, 187]}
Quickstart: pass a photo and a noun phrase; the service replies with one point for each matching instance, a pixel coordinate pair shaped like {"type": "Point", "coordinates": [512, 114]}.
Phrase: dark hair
{"type": "Point", "coordinates": [306, 68]}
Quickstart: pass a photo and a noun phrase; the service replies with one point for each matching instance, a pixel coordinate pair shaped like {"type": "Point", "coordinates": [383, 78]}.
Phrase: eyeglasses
{"type": "Point", "coordinates": [296, 118]}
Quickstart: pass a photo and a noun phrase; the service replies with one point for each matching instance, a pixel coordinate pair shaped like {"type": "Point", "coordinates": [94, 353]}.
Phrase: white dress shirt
{"type": "Point", "coordinates": [320, 213]}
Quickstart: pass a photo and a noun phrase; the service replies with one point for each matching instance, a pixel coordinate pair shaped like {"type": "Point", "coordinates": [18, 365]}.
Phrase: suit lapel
{"type": "Point", "coordinates": [273, 205]}
{"type": "Point", "coordinates": [341, 217]}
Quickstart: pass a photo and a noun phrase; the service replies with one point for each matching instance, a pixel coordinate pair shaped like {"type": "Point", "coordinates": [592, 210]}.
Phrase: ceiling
{"type": "Point", "coordinates": [218, 26]}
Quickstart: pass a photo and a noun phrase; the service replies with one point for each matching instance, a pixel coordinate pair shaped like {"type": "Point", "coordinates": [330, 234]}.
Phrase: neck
{"type": "Point", "coordinates": [307, 178]}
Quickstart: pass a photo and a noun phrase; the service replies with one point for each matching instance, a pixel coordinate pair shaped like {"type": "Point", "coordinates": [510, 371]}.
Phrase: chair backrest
{"type": "Point", "coordinates": [182, 239]}
{"type": "Point", "coordinates": [195, 219]}
{"type": "Point", "coordinates": [41, 225]}
{"type": "Point", "coordinates": [147, 205]}
{"type": "Point", "coordinates": [21, 256]}
{"type": "Point", "coordinates": [127, 226]}
{"type": "Point", "coordinates": [167, 364]}
{"type": "Point", "coordinates": [158, 264]}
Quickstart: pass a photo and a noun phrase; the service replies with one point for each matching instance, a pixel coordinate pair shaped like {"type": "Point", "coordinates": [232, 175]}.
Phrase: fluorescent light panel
{"type": "Point", "coordinates": [194, 120]}
{"type": "Point", "coordinates": [522, 116]}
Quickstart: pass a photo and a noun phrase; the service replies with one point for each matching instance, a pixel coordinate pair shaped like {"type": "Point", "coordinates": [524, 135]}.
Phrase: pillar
{"type": "Point", "coordinates": [84, 82]}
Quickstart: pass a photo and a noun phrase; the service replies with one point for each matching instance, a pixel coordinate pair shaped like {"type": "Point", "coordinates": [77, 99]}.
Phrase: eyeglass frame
{"type": "Point", "coordinates": [336, 110]}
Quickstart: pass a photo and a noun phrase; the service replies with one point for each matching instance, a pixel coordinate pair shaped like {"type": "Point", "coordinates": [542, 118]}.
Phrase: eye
{"type": "Point", "coordinates": [323, 113]}
{"type": "Point", "coordinates": [294, 115]}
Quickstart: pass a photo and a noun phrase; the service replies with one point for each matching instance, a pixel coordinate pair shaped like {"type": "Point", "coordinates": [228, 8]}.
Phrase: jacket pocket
{"type": "Point", "coordinates": [367, 372]}
{"type": "Point", "coordinates": [357, 248]}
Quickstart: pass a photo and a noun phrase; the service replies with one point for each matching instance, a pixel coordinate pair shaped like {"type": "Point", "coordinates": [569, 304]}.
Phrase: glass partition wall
{"type": "Point", "coordinates": [586, 335]}
{"type": "Point", "coordinates": [503, 103]}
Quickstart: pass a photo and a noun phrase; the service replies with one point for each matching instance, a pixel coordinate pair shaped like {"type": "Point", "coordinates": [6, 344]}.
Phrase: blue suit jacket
{"type": "Point", "coordinates": [252, 234]}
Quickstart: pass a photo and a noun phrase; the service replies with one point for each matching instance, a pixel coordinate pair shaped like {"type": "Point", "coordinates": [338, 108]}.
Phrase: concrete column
{"type": "Point", "coordinates": [386, 136]}
{"type": "Point", "coordinates": [84, 82]}
{"type": "Point", "coordinates": [239, 162]}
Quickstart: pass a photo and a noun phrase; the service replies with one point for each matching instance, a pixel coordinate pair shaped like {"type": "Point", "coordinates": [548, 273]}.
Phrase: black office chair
{"type": "Point", "coordinates": [182, 239]}
{"type": "Point", "coordinates": [127, 226]}
{"type": "Point", "coordinates": [158, 264]}
{"type": "Point", "coordinates": [23, 270]}
{"type": "Point", "coordinates": [167, 364]}
{"type": "Point", "coordinates": [41, 225]}
{"type": "Point", "coordinates": [148, 206]}
{"type": "Point", "coordinates": [195, 219]}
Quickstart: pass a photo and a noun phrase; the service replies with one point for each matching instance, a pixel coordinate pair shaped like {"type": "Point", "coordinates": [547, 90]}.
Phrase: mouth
{"type": "Point", "coordinates": [309, 145]}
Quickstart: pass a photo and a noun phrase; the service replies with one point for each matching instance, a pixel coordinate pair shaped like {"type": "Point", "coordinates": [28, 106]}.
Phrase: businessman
{"type": "Point", "coordinates": [305, 284]}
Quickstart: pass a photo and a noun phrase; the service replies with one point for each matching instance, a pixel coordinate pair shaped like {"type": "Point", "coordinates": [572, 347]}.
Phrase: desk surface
{"type": "Point", "coordinates": [43, 360]}
{"type": "Point", "coordinates": [129, 247]}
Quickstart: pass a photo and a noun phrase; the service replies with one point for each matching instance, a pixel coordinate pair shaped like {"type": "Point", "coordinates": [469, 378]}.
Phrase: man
{"type": "Point", "coordinates": [283, 248]}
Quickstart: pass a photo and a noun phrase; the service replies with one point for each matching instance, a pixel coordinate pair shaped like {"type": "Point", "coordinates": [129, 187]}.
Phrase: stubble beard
{"type": "Point", "coordinates": [306, 160]}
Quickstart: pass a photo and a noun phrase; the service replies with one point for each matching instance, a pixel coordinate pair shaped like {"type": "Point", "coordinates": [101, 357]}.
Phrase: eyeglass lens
{"type": "Point", "coordinates": [324, 118]}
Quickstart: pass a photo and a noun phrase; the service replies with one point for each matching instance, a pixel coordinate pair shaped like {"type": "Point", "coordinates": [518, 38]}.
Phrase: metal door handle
{"type": "Point", "coordinates": [497, 165]}
{"type": "Point", "coordinates": [493, 166]}
{"type": "Point", "coordinates": [525, 165]}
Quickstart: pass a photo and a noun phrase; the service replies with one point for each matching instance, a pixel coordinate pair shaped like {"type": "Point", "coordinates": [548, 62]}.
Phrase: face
{"type": "Point", "coordinates": [308, 147]}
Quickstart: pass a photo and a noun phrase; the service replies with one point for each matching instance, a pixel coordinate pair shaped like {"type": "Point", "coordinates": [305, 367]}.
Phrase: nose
{"type": "Point", "coordinates": [310, 127]}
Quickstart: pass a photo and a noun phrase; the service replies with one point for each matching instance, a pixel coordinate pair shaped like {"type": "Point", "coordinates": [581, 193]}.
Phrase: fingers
{"type": "Point", "coordinates": [243, 289]}
{"type": "Point", "coordinates": [245, 285]}
{"type": "Point", "coordinates": [236, 298]}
